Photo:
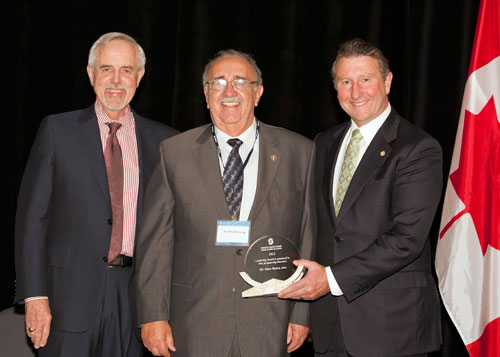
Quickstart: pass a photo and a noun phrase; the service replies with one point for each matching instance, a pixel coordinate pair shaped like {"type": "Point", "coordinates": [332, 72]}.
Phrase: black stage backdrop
{"type": "Point", "coordinates": [428, 44]}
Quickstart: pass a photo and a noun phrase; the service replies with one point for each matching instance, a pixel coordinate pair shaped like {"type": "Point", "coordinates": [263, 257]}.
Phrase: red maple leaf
{"type": "Point", "coordinates": [477, 179]}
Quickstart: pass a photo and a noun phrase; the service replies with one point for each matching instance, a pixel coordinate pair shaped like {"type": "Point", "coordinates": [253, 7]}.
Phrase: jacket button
{"type": "Point", "coordinates": [110, 221]}
{"type": "Point", "coordinates": [338, 239]}
{"type": "Point", "coordinates": [105, 259]}
{"type": "Point", "coordinates": [239, 251]}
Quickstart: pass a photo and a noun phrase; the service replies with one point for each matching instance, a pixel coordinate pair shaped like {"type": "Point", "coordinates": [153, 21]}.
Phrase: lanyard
{"type": "Point", "coordinates": [240, 171]}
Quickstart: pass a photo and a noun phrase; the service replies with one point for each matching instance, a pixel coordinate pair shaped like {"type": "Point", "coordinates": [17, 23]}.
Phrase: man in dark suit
{"type": "Point", "coordinates": [378, 183]}
{"type": "Point", "coordinates": [189, 289]}
{"type": "Point", "coordinates": [79, 205]}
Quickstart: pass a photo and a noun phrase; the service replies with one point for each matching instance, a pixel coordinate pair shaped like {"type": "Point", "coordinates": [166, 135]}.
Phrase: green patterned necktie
{"type": "Point", "coordinates": [348, 168]}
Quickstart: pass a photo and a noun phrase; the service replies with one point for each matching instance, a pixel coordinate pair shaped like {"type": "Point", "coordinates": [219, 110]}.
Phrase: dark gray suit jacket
{"type": "Point", "coordinates": [63, 222]}
{"type": "Point", "coordinates": [185, 278]}
{"type": "Point", "coordinates": [378, 246]}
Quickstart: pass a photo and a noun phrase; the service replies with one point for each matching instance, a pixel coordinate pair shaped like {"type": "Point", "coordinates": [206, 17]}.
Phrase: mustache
{"type": "Point", "coordinates": [115, 87]}
{"type": "Point", "coordinates": [230, 100]}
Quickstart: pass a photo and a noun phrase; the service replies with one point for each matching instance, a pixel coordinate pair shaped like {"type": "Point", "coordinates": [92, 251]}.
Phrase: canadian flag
{"type": "Point", "coordinates": [468, 250]}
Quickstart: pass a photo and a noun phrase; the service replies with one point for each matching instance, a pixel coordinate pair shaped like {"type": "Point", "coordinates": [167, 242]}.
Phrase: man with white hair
{"type": "Point", "coordinates": [79, 204]}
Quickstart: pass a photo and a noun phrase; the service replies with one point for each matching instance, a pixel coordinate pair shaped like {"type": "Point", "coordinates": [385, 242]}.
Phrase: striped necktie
{"type": "Point", "coordinates": [114, 170]}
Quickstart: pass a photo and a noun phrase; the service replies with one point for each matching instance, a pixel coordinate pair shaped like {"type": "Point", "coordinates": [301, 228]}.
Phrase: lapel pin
{"type": "Point", "coordinates": [382, 153]}
{"type": "Point", "coordinates": [274, 157]}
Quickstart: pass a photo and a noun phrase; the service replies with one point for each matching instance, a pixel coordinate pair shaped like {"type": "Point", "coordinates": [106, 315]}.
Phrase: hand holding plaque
{"type": "Point", "coordinates": [269, 266]}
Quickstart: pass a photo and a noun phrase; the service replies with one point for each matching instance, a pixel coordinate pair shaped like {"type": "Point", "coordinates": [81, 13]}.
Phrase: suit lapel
{"type": "Point", "coordinates": [146, 154]}
{"type": "Point", "coordinates": [207, 160]}
{"type": "Point", "coordinates": [90, 141]}
{"type": "Point", "coordinates": [374, 157]}
{"type": "Point", "coordinates": [269, 161]}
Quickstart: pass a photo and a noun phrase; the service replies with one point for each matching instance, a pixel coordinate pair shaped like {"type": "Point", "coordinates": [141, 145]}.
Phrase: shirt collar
{"type": "Point", "coordinates": [127, 120]}
{"type": "Point", "coordinates": [247, 136]}
{"type": "Point", "coordinates": [370, 130]}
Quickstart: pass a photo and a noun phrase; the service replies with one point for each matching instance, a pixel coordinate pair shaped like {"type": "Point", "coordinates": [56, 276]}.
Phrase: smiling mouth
{"type": "Point", "coordinates": [230, 104]}
{"type": "Point", "coordinates": [357, 104]}
{"type": "Point", "coordinates": [230, 101]}
{"type": "Point", "coordinates": [115, 91]}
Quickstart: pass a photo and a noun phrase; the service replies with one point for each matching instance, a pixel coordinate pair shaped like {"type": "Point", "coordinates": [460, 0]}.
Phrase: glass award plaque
{"type": "Point", "coordinates": [269, 266]}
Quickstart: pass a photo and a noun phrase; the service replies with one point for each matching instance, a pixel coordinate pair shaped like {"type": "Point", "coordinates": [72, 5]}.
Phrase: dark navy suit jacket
{"type": "Point", "coordinates": [63, 222]}
{"type": "Point", "coordinates": [378, 245]}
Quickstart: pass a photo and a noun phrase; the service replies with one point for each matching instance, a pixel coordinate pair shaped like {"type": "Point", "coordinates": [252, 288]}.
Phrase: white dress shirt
{"type": "Point", "coordinates": [251, 169]}
{"type": "Point", "coordinates": [368, 131]}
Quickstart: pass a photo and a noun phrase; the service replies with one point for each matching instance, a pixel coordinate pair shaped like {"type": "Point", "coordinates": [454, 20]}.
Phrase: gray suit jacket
{"type": "Point", "coordinates": [378, 245]}
{"type": "Point", "coordinates": [184, 278]}
{"type": "Point", "coordinates": [63, 222]}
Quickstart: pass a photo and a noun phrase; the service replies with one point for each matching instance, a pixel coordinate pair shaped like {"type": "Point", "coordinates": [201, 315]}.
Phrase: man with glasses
{"type": "Point", "coordinates": [189, 288]}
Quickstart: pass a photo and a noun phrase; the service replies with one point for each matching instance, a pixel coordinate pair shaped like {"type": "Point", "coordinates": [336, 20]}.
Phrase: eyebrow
{"type": "Point", "coordinates": [109, 65]}
{"type": "Point", "coordinates": [236, 77]}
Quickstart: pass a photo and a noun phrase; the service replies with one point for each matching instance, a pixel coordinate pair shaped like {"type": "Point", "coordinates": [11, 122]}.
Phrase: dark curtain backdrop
{"type": "Point", "coordinates": [428, 44]}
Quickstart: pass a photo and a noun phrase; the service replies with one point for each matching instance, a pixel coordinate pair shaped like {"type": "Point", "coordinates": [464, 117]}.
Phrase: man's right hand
{"type": "Point", "coordinates": [157, 338]}
{"type": "Point", "coordinates": [37, 318]}
{"type": "Point", "coordinates": [313, 286]}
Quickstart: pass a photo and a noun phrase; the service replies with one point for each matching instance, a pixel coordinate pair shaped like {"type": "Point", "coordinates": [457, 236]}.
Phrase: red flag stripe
{"type": "Point", "coordinates": [487, 345]}
{"type": "Point", "coordinates": [487, 40]}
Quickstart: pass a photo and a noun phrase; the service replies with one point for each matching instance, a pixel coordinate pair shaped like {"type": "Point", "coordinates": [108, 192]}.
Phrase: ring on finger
{"type": "Point", "coordinates": [30, 329]}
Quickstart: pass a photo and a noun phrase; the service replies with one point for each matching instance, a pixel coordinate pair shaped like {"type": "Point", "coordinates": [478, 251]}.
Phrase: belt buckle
{"type": "Point", "coordinates": [116, 262]}
{"type": "Point", "coordinates": [120, 261]}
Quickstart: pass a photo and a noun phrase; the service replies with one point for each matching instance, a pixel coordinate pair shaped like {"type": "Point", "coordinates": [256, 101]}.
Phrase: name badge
{"type": "Point", "coordinates": [233, 233]}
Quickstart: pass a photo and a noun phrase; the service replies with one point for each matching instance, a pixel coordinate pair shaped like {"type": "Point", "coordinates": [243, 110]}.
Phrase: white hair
{"type": "Point", "coordinates": [110, 36]}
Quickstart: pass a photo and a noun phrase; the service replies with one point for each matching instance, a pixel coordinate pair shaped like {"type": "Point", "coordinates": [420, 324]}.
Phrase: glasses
{"type": "Point", "coordinates": [220, 84]}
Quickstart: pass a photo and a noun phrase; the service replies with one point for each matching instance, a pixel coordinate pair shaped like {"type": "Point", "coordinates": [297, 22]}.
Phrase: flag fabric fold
{"type": "Point", "coordinates": [468, 250]}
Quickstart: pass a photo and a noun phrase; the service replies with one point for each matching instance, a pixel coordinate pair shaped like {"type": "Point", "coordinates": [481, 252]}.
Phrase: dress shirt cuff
{"type": "Point", "coordinates": [334, 286]}
{"type": "Point", "coordinates": [35, 298]}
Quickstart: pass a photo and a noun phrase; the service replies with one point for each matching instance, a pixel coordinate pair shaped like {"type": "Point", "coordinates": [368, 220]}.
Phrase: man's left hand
{"type": "Point", "coordinates": [296, 336]}
{"type": "Point", "coordinates": [312, 286]}
{"type": "Point", "coordinates": [37, 321]}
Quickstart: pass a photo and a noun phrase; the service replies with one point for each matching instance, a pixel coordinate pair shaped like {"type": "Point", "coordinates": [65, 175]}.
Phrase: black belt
{"type": "Point", "coordinates": [121, 261]}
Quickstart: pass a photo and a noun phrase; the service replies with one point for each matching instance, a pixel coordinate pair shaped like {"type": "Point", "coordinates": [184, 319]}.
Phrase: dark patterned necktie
{"type": "Point", "coordinates": [114, 170]}
{"type": "Point", "coordinates": [233, 179]}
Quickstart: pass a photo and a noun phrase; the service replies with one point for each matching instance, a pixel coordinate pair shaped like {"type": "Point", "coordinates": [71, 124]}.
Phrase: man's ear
{"type": "Point", "coordinates": [90, 73]}
{"type": "Point", "coordinates": [388, 82]}
{"type": "Point", "coordinates": [140, 75]}
{"type": "Point", "coordinates": [258, 93]}
{"type": "Point", "coordinates": [206, 96]}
